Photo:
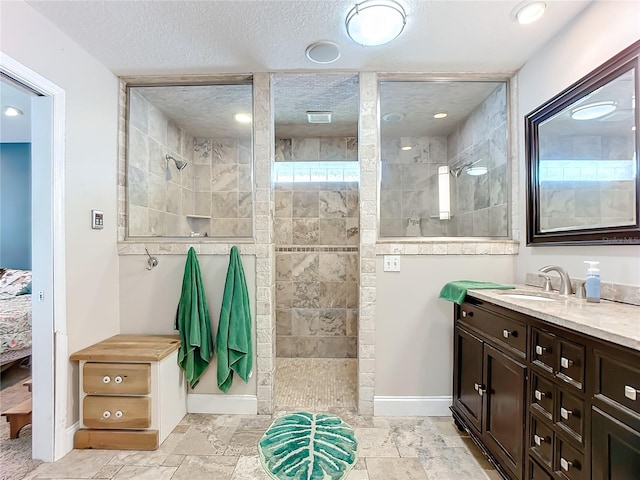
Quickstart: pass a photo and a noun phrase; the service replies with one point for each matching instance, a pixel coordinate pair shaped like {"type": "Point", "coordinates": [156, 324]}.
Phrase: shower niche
{"type": "Point", "coordinates": [189, 160]}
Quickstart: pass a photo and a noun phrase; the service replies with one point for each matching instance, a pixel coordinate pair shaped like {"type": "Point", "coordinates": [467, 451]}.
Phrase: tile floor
{"type": "Point", "coordinates": [224, 447]}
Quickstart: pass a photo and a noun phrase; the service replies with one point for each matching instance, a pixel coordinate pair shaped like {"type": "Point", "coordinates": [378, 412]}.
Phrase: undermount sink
{"type": "Point", "coordinates": [528, 296]}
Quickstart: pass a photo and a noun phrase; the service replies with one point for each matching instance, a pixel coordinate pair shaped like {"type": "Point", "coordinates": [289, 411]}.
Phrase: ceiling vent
{"type": "Point", "coordinates": [319, 117]}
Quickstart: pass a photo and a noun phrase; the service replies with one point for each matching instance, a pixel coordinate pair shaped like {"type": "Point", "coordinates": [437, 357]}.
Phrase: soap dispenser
{"type": "Point", "coordinates": [592, 284]}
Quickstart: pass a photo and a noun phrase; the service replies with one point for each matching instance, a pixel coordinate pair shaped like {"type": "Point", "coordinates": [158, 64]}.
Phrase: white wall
{"type": "Point", "coordinates": [148, 301]}
{"type": "Point", "coordinates": [414, 328]}
{"type": "Point", "coordinates": [91, 165]}
{"type": "Point", "coordinates": [602, 30]}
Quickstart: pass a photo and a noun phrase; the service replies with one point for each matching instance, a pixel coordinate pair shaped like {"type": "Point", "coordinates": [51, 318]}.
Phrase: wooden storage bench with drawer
{"type": "Point", "coordinates": [132, 392]}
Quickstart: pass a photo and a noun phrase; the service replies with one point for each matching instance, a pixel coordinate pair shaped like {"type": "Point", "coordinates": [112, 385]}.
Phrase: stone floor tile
{"type": "Point", "coordinates": [449, 463]}
{"type": "Point", "coordinates": [181, 428]}
{"type": "Point", "coordinates": [204, 440]}
{"type": "Point", "coordinates": [107, 471]}
{"type": "Point", "coordinates": [139, 458]}
{"type": "Point", "coordinates": [244, 442]}
{"type": "Point", "coordinates": [206, 467]}
{"type": "Point", "coordinates": [375, 442]}
{"type": "Point", "coordinates": [76, 464]}
{"type": "Point", "coordinates": [173, 460]}
{"type": "Point", "coordinates": [358, 475]}
{"type": "Point", "coordinates": [395, 469]}
{"type": "Point", "coordinates": [477, 454]}
{"type": "Point", "coordinates": [249, 468]}
{"type": "Point", "coordinates": [255, 422]}
{"type": "Point", "coordinates": [129, 472]}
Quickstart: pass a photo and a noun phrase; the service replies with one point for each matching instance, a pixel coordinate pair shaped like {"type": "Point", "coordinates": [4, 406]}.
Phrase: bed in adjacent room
{"type": "Point", "coordinates": [15, 315]}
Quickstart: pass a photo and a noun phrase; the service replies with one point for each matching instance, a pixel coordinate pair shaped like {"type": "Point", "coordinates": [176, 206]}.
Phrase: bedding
{"type": "Point", "coordinates": [15, 315]}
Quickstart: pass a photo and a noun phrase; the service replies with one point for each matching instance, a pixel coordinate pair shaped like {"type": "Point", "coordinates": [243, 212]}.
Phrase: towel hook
{"type": "Point", "coordinates": [151, 261]}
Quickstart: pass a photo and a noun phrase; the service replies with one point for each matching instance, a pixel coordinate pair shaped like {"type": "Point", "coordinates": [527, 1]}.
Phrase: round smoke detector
{"type": "Point", "coordinates": [323, 52]}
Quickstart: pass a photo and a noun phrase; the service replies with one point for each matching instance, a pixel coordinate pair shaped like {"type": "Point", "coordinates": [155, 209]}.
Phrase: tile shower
{"type": "Point", "coordinates": [317, 237]}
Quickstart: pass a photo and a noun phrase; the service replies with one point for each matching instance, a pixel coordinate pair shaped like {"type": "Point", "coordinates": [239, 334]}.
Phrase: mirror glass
{"type": "Point", "coordinates": [189, 161]}
{"type": "Point", "coordinates": [583, 161]}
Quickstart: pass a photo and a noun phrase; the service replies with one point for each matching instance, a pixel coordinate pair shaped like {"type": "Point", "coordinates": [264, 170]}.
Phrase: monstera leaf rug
{"type": "Point", "coordinates": [308, 446]}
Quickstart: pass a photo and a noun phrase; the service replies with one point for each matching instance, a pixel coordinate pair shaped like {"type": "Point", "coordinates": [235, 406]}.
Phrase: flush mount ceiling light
{"type": "Point", "coordinates": [593, 110]}
{"type": "Point", "coordinates": [528, 12]}
{"type": "Point", "coordinates": [375, 22]}
{"type": "Point", "coordinates": [440, 115]}
{"type": "Point", "coordinates": [323, 52]}
{"type": "Point", "coordinates": [242, 117]}
{"type": "Point", "coordinates": [393, 117]}
{"type": "Point", "coordinates": [10, 111]}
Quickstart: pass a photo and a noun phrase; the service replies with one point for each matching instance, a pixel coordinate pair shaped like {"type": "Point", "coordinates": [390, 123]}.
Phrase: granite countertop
{"type": "Point", "coordinates": [616, 322]}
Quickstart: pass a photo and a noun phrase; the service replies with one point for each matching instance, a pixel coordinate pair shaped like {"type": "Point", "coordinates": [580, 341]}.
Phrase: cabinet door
{"type": "Point", "coordinates": [504, 408]}
{"type": "Point", "coordinates": [468, 377]}
{"type": "Point", "coordinates": [615, 449]}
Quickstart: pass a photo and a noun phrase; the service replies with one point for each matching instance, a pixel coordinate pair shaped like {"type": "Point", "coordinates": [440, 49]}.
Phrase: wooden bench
{"type": "Point", "coordinates": [28, 384]}
{"type": "Point", "coordinates": [18, 417]}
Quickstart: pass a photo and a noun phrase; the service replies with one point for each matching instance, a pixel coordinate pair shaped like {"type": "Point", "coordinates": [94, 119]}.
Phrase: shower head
{"type": "Point", "coordinates": [466, 167]}
{"type": "Point", "coordinates": [180, 165]}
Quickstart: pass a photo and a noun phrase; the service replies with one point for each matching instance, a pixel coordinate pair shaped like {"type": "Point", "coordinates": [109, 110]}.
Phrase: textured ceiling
{"type": "Point", "coordinates": [242, 36]}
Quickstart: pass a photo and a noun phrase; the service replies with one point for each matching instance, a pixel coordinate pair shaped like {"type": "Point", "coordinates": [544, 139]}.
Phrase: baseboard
{"type": "Point", "coordinates": [222, 404]}
{"type": "Point", "coordinates": [69, 434]}
{"type": "Point", "coordinates": [412, 406]}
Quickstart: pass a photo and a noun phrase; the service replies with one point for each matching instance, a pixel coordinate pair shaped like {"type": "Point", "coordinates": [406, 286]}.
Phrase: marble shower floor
{"type": "Point", "coordinates": [224, 447]}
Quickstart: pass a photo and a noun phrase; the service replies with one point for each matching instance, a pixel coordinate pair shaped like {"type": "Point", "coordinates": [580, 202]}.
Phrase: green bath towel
{"type": "Point", "coordinates": [192, 321]}
{"type": "Point", "coordinates": [456, 291]}
{"type": "Point", "coordinates": [233, 341]}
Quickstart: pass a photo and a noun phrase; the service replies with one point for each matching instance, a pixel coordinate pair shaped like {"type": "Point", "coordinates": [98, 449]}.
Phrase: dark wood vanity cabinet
{"type": "Point", "coordinates": [542, 401]}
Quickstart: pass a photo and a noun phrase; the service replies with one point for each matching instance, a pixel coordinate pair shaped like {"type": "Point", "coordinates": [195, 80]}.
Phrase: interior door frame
{"type": "Point", "coordinates": [51, 440]}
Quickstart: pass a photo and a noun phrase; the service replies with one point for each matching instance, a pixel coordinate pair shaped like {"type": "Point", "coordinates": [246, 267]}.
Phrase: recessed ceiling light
{"type": "Point", "coordinates": [375, 22]}
{"type": "Point", "coordinates": [323, 52]}
{"type": "Point", "coordinates": [440, 115]}
{"type": "Point", "coordinates": [528, 12]}
{"type": "Point", "coordinates": [593, 110]}
{"type": "Point", "coordinates": [393, 117]}
{"type": "Point", "coordinates": [12, 111]}
{"type": "Point", "coordinates": [242, 117]}
{"type": "Point", "coordinates": [405, 144]}
{"type": "Point", "coordinates": [633, 129]}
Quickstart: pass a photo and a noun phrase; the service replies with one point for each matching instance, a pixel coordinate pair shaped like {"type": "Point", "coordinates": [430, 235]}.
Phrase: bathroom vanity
{"type": "Point", "coordinates": [549, 388]}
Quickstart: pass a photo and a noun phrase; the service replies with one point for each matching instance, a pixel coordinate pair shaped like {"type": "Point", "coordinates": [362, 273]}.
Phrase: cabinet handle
{"type": "Point", "coordinates": [466, 314]}
{"type": "Point", "coordinates": [565, 362]}
{"type": "Point", "coordinates": [630, 392]}
{"type": "Point", "coordinates": [481, 390]}
{"type": "Point", "coordinates": [564, 413]}
{"type": "Point", "coordinates": [565, 464]}
{"type": "Point", "coordinates": [506, 333]}
{"type": "Point", "coordinates": [540, 350]}
{"type": "Point", "coordinates": [106, 379]}
{"type": "Point", "coordinates": [106, 414]}
{"type": "Point", "coordinates": [539, 395]}
{"type": "Point", "coordinates": [118, 379]}
{"type": "Point", "coordinates": [118, 413]}
{"type": "Point", "coordinates": [538, 439]}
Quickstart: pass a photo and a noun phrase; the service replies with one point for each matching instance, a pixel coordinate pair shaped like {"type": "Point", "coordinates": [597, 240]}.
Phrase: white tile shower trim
{"type": "Point", "coordinates": [436, 406]}
{"type": "Point", "coordinates": [448, 247]}
{"type": "Point", "coordinates": [222, 404]}
{"type": "Point", "coordinates": [134, 248]}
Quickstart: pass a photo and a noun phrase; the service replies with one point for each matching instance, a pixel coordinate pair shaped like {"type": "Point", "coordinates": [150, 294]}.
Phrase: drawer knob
{"type": "Point", "coordinates": [630, 392]}
{"type": "Point", "coordinates": [106, 379]}
{"type": "Point", "coordinates": [538, 439]}
{"type": "Point", "coordinates": [506, 333]}
{"type": "Point", "coordinates": [118, 413]}
{"type": "Point", "coordinates": [118, 379]}
{"type": "Point", "coordinates": [565, 362]}
{"type": "Point", "coordinates": [564, 413]}
{"type": "Point", "coordinates": [565, 464]}
{"type": "Point", "coordinates": [106, 414]}
{"type": "Point", "coordinates": [540, 350]}
{"type": "Point", "coordinates": [539, 395]}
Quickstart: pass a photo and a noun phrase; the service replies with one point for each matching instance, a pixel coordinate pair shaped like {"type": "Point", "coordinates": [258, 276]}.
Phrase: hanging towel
{"type": "Point", "coordinates": [193, 323]}
{"type": "Point", "coordinates": [456, 291]}
{"type": "Point", "coordinates": [233, 340]}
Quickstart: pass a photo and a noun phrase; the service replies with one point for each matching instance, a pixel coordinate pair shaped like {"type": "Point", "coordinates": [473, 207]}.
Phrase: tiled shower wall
{"type": "Point", "coordinates": [317, 236]}
{"type": "Point", "coordinates": [304, 149]}
{"type": "Point", "coordinates": [479, 203]}
{"type": "Point", "coordinates": [211, 196]}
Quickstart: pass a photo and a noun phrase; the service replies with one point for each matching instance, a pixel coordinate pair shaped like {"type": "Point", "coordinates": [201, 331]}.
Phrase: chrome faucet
{"type": "Point", "coordinates": [565, 281]}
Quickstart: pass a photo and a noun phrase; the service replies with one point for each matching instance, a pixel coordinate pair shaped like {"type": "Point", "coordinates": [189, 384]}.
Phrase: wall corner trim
{"type": "Point", "coordinates": [222, 404]}
{"type": "Point", "coordinates": [434, 406]}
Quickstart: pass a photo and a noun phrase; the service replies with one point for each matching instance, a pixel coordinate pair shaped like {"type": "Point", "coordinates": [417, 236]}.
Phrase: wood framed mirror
{"type": "Point", "coordinates": [582, 159]}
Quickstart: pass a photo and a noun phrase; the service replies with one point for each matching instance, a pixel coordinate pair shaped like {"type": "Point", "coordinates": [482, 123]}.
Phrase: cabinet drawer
{"type": "Point", "coordinates": [117, 378]}
{"type": "Point", "coordinates": [503, 330]}
{"type": "Point", "coordinates": [571, 363]}
{"type": "Point", "coordinates": [619, 381]}
{"type": "Point", "coordinates": [570, 415]}
{"type": "Point", "coordinates": [569, 462]}
{"type": "Point", "coordinates": [536, 472]}
{"type": "Point", "coordinates": [116, 412]}
{"type": "Point", "coordinates": [541, 441]}
{"type": "Point", "coordinates": [542, 395]}
{"type": "Point", "coordinates": [542, 349]}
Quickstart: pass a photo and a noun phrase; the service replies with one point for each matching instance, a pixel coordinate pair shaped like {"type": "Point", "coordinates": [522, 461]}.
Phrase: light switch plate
{"type": "Point", "coordinates": [391, 263]}
{"type": "Point", "coordinates": [97, 219]}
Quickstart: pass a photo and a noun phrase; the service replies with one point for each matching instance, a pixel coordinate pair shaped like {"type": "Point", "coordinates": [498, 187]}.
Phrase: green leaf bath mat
{"type": "Point", "coordinates": [308, 446]}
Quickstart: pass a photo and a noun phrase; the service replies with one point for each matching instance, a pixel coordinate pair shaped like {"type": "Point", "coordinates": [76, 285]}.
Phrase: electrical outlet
{"type": "Point", "coordinates": [391, 263]}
